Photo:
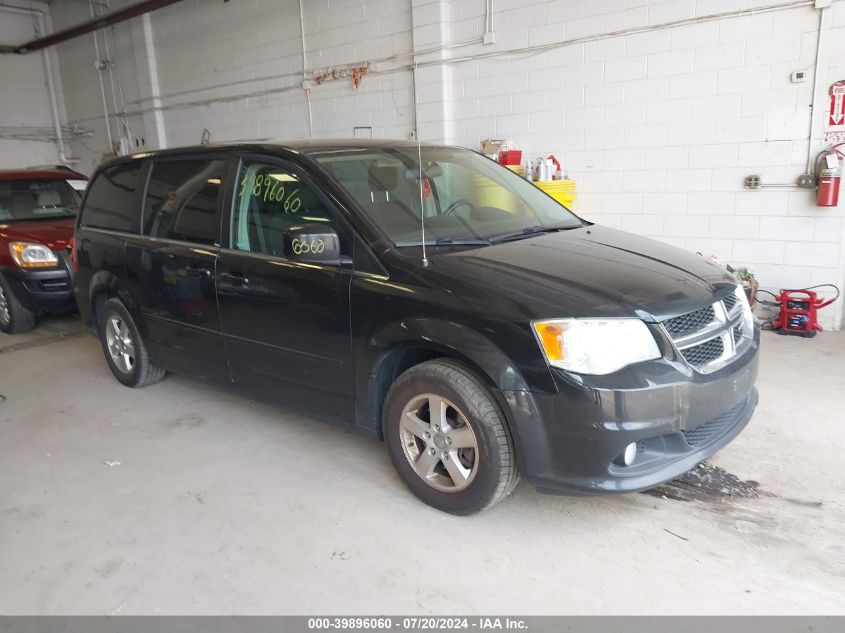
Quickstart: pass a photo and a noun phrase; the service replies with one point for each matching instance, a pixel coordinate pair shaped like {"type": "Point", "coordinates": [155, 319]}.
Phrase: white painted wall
{"type": "Point", "coordinates": [236, 69]}
{"type": "Point", "coordinates": [26, 121]}
{"type": "Point", "coordinates": [659, 128]}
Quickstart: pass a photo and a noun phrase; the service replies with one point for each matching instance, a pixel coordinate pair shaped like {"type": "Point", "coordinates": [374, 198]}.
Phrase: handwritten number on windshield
{"type": "Point", "coordinates": [269, 189]}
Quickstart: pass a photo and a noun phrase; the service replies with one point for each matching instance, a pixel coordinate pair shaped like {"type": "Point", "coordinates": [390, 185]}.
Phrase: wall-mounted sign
{"type": "Point", "coordinates": [836, 111]}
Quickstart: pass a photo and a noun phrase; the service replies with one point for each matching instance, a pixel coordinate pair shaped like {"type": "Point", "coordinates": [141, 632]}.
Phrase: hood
{"type": "Point", "coordinates": [53, 233]}
{"type": "Point", "coordinates": [590, 271]}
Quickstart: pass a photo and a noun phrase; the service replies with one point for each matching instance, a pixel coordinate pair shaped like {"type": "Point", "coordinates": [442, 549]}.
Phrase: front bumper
{"type": "Point", "coordinates": [41, 290]}
{"type": "Point", "coordinates": [569, 441]}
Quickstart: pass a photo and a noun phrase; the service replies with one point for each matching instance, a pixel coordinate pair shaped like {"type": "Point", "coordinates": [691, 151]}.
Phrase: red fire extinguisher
{"type": "Point", "coordinates": [829, 175]}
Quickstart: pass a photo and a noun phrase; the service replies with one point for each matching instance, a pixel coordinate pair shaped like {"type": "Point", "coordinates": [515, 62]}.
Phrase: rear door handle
{"type": "Point", "coordinates": [235, 277]}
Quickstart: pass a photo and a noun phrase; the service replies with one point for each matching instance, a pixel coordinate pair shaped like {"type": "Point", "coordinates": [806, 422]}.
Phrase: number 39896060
{"type": "Point", "coordinates": [269, 189]}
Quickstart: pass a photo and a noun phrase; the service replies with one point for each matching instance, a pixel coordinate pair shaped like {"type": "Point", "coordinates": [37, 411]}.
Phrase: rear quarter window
{"type": "Point", "coordinates": [111, 202]}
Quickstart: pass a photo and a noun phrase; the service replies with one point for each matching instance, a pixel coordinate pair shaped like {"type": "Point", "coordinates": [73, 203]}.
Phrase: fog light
{"type": "Point", "coordinates": [630, 454]}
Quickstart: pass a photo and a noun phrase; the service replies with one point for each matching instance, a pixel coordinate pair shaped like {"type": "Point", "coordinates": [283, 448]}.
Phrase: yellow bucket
{"type": "Point", "coordinates": [561, 190]}
{"type": "Point", "coordinates": [491, 194]}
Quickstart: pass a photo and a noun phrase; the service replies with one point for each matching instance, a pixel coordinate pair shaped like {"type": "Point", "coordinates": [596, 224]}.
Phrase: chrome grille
{"type": "Point", "coordinates": [686, 323]}
{"type": "Point", "coordinates": [705, 352]}
{"type": "Point", "coordinates": [707, 338]}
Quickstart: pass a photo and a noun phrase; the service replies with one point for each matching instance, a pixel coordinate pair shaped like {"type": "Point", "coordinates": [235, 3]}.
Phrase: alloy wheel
{"type": "Point", "coordinates": [120, 345]}
{"type": "Point", "coordinates": [439, 443]}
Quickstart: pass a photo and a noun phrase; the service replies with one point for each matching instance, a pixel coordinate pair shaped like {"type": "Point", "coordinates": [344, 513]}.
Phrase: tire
{"type": "Point", "coordinates": [15, 318]}
{"type": "Point", "coordinates": [473, 465]}
{"type": "Point", "coordinates": [123, 347]}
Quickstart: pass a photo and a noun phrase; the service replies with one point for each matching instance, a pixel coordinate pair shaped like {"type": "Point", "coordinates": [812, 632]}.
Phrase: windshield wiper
{"type": "Point", "coordinates": [446, 241]}
{"type": "Point", "coordinates": [528, 231]}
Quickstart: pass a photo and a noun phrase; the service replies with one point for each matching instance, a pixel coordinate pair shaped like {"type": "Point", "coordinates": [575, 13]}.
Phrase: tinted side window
{"type": "Point", "coordinates": [182, 200]}
{"type": "Point", "coordinates": [111, 199]}
{"type": "Point", "coordinates": [271, 199]}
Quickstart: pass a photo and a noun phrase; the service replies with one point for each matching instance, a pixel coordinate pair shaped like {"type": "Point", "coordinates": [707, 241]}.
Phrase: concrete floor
{"type": "Point", "coordinates": [220, 505]}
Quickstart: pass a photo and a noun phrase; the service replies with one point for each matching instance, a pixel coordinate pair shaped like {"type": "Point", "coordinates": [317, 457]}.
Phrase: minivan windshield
{"type": "Point", "coordinates": [34, 199]}
{"type": "Point", "coordinates": [466, 198]}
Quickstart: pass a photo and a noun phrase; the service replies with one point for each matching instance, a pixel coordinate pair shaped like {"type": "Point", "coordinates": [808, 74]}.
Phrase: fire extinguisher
{"type": "Point", "coordinates": [828, 178]}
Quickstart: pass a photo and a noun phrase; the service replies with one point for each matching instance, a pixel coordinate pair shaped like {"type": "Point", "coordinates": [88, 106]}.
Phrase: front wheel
{"type": "Point", "coordinates": [448, 439]}
{"type": "Point", "coordinates": [14, 316]}
{"type": "Point", "coordinates": [124, 350]}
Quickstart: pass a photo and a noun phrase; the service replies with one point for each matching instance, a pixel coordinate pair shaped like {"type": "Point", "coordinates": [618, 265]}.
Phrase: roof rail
{"type": "Point", "coordinates": [61, 167]}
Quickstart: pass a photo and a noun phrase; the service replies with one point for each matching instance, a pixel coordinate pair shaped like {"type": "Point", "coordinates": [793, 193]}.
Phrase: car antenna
{"type": "Point", "coordinates": [424, 261]}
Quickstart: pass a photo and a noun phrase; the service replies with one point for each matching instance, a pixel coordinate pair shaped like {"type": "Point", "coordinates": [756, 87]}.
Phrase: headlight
{"type": "Point", "coordinates": [595, 346]}
{"type": "Point", "coordinates": [29, 255]}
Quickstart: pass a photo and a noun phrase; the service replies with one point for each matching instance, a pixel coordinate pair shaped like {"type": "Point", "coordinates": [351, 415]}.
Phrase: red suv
{"type": "Point", "coordinates": [37, 214]}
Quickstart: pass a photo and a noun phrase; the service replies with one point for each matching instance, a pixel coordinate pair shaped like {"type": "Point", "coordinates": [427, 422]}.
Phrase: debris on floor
{"type": "Point", "coordinates": [112, 464]}
{"type": "Point", "coordinates": [683, 538]}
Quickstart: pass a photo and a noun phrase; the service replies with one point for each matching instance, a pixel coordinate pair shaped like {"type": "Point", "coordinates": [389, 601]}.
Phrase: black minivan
{"type": "Point", "coordinates": [427, 296]}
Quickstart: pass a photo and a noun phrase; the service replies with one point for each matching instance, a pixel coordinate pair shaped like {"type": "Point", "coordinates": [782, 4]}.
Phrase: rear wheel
{"type": "Point", "coordinates": [124, 350]}
{"type": "Point", "coordinates": [448, 439]}
{"type": "Point", "coordinates": [14, 317]}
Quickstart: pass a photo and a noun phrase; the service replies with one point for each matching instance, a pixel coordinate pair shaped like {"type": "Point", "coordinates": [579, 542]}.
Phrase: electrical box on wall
{"type": "Point", "coordinates": [753, 182]}
{"type": "Point", "coordinates": [807, 181]}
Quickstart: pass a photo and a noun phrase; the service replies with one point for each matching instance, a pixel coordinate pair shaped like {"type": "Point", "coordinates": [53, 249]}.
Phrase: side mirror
{"type": "Point", "coordinates": [315, 243]}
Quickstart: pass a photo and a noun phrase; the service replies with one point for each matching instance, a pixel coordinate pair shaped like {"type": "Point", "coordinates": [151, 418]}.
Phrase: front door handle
{"type": "Point", "coordinates": [235, 277]}
{"type": "Point", "coordinates": [195, 270]}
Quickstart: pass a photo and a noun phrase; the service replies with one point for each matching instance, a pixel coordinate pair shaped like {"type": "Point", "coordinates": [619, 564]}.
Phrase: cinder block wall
{"type": "Point", "coordinates": [26, 122]}
{"type": "Point", "coordinates": [659, 128]}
